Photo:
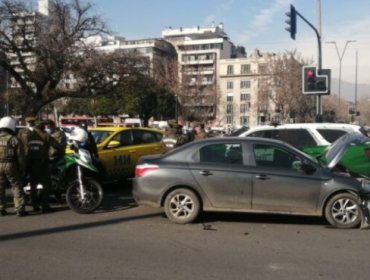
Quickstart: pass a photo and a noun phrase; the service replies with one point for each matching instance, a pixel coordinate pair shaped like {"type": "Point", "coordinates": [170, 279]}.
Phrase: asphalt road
{"type": "Point", "coordinates": [124, 241]}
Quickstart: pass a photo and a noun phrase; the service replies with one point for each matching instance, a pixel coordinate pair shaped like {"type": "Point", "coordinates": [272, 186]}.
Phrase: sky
{"type": "Point", "coordinates": [257, 24]}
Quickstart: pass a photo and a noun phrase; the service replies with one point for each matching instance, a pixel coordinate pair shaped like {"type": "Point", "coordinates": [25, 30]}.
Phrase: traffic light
{"type": "Point", "coordinates": [314, 81]}
{"type": "Point", "coordinates": [292, 22]}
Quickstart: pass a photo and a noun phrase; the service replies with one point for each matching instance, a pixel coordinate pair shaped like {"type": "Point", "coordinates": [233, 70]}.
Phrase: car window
{"type": "Point", "coordinates": [124, 138]}
{"type": "Point", "coordinates": [231, 153]}
{"type": "Point", "coordinates": [296, 137]}
{"type": "Point", "coordinates": [145, 137]}
{"type": "Point", "coordinates": [100, 136]}
{"type": "Point", "coordinates": [274, 156]}
{"type": "Point", "coordinates": [331, 135]}
{"type": "Point", "coordinates": [268, 133]}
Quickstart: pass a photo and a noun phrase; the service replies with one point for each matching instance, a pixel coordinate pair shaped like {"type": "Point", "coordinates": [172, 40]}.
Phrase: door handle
{"type": "Point", "coordinates": [205, 173]}
{"type": "Point", "coordinates": [262, 177]}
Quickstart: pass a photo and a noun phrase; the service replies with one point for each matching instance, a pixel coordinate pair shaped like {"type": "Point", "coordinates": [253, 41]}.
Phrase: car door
{"type": "Point", "coordinates": [147, 142]}
{"type": "Point", "coordinates": [220, 173]}
{"type": "Point", "coordinates": [119, 155]}
{"type": "Point", "coordinates": [280, 185]}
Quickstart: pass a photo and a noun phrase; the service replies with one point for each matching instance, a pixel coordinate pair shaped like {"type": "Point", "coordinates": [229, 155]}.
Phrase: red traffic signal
{"type": "Point", "coordinates": [314, 82]}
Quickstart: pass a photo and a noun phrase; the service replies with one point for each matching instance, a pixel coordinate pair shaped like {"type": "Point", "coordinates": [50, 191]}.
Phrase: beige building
{"type": "Point", "coordinates": [238, 86]}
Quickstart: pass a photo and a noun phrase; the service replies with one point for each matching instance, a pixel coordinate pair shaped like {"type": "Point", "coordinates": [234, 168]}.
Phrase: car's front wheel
{"type": "Point", "coordinates": [182, 206]}
{"type": "Point", "coordinates": [343, 211]}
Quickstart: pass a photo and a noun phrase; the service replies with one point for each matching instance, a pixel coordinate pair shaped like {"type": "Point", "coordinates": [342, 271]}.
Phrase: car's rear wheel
{"type": "Point", "coordinates": [182, 206]}
{"type": "Point", "coordinates": [343, 211]}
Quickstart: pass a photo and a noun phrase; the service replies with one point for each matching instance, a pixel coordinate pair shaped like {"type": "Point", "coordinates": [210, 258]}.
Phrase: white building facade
{"type": "Point", "coordinates": [199, 51]}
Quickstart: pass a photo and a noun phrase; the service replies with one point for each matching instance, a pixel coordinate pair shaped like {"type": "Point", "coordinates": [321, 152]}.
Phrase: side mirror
{"type": "Point", "coordinates": [308, 168]}
{"type": "Point", "coordinates": [113, 144]}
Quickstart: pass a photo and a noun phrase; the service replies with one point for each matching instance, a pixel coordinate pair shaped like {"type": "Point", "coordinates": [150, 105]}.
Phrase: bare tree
{"type": "Point", "coordinates": [48, 56]}
{"type": "Point", "coordinates": [280, 85]}
{"type": "Point", "coordinates": [197, 95]}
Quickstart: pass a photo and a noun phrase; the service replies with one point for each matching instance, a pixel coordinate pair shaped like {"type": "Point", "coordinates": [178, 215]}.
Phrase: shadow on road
{"type": "Point", "coordinates": [54, 230]}
{"type": "Point", "coordinates": [261, 219]}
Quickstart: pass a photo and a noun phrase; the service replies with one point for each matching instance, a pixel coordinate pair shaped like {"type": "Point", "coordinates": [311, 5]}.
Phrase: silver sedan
{"type": "Point", "coordinates": [246, 175]}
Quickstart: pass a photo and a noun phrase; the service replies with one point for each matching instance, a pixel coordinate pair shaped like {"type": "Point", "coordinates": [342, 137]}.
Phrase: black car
{"type": "Point", "coordinates": [246, 175]}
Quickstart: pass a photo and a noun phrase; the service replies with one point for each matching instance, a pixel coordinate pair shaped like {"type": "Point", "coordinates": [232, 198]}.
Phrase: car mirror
{"type": "Point", "coordinates": [308, 168]}
{"type": "Point", "coordinates": [113, 144]}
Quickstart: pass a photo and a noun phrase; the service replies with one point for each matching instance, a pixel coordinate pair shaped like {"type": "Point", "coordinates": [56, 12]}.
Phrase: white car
{"type": "Point", "coordinates": [303, 134]}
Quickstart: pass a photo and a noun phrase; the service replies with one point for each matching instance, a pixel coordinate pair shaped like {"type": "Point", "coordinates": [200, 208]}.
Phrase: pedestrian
{"type": "Point", "coordinates": [11, 167]}
{"type": "Point", "coordinates": [37, 142]}
{"type": "Point", "coordinates": [200, 133]}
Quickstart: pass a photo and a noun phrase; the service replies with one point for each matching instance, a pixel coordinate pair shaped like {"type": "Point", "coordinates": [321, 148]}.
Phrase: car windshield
{"type": "Point", "coordinates": [100, 135]}
{"type": "Point", "coordinates": [239, 131]}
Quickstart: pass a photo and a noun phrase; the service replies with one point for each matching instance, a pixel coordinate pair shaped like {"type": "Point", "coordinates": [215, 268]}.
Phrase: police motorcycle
{"type": "Point", "coordinates": [73, 176]}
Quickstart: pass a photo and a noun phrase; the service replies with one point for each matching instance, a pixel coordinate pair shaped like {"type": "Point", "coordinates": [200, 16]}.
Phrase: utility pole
{"type": "Point", "coordinates": [318, 97]}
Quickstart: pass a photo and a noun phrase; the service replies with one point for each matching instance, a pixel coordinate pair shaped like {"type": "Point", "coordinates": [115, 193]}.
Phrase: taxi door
{"type": "Point", "coordinates": [119, 156]}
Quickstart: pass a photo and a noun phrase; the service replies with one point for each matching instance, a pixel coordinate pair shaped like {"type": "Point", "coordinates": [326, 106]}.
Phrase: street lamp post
{"type": "Point", "coordinates": [340, 56]}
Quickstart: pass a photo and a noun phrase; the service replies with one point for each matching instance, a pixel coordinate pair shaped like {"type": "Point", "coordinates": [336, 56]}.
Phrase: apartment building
{"type": "Point", "coordinates": [239, 86]}
{"type": "Point", "coordinates": [158, 53]}
{"type": "Point", "coordinates": [199, 51]}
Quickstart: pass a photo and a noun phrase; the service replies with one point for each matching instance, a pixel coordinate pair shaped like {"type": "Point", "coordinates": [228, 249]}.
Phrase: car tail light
{"type": "Point", "coordinates": [367, 152]}
{"type": "Point", "coordinates": [142, 170]}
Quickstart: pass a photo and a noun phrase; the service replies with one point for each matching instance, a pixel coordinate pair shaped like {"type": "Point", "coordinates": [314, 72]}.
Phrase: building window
{"type": "Point", "coordinates": [229, 109]}
{"type": "Point", "coordinates": [244, 120]}
{"type": "Point", "coordinates": [243, 108]}
{"type": "Point", "coordinates": [229, 119]}
{"type": "Point", "coordinates": [230, 69]}
{"type": "Point", "coordinates": [229, 98]}
{"type": "Point", "coordinates": [245, 68]}
{"type": "Point", "coordinates": [262, 68]}
{"type": "Point", "coordinates": [230, 85]}
{"type": "Point", "coordinates": [245, 97]}
{"type": "Point", "coordinates": [245, 84]}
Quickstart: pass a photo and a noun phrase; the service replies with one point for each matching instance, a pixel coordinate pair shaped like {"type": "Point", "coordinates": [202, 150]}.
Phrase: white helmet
{"type": "Point", "coordinates": [8, 122]}
{"type": "Point", "coordinates": [78, 134]}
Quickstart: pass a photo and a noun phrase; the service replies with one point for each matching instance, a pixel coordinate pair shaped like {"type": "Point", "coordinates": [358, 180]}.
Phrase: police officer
{"type": "Point", "coordinates": [37, 143]}
{"type": "Point", "coordinates": [11, 166]}
{"type": "Point", "coordinates": [173, 136]}
{"type": "Point", "coordinates": [60, 137]}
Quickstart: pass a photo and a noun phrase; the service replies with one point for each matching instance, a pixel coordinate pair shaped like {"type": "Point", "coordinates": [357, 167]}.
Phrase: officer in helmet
{"type": "Point", "coordinates": [37, 144]}
{"type": "Point", "coordinates": [11, 166]}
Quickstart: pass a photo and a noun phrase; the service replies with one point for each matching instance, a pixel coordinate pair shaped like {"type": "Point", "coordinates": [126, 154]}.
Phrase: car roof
{"type": "Point", "coordinates": [117, 128]}
{"type": "Point", "coordinates": [346, 126]}
{"type": "Point", "coordinates": [244, 139]}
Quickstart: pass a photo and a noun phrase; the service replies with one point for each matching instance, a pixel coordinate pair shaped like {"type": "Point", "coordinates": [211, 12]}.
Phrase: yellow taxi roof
{"type": "Point", "coordinates": [120, 128]}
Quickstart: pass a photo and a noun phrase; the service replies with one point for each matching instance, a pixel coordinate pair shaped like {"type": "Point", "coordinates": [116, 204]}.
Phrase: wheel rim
{"type": "Point", "coordinates": [91, 196]}
{"type": "Point", "coordinates": [181, 206]}
{"type": "Point", "coordinates": [345, 211]}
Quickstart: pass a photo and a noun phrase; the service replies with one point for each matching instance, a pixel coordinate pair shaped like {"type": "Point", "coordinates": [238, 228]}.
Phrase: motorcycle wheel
{"type": "Point", "coordinates": [92, 200]}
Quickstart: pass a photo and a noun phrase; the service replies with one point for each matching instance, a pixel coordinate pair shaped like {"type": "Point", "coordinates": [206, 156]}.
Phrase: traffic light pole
{"type": "Point", "coordinates": [319, 64]}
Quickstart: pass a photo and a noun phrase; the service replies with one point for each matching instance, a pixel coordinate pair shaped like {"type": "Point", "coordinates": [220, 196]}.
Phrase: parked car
{"type": "Point", "coordinates": [247, 174]}
{"type": "Point", "coordinates": [315, 138]}
{"type": "Point", "coordinates": [119, 148]}
{"type": "Point", "coordinates": [303, 134]}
